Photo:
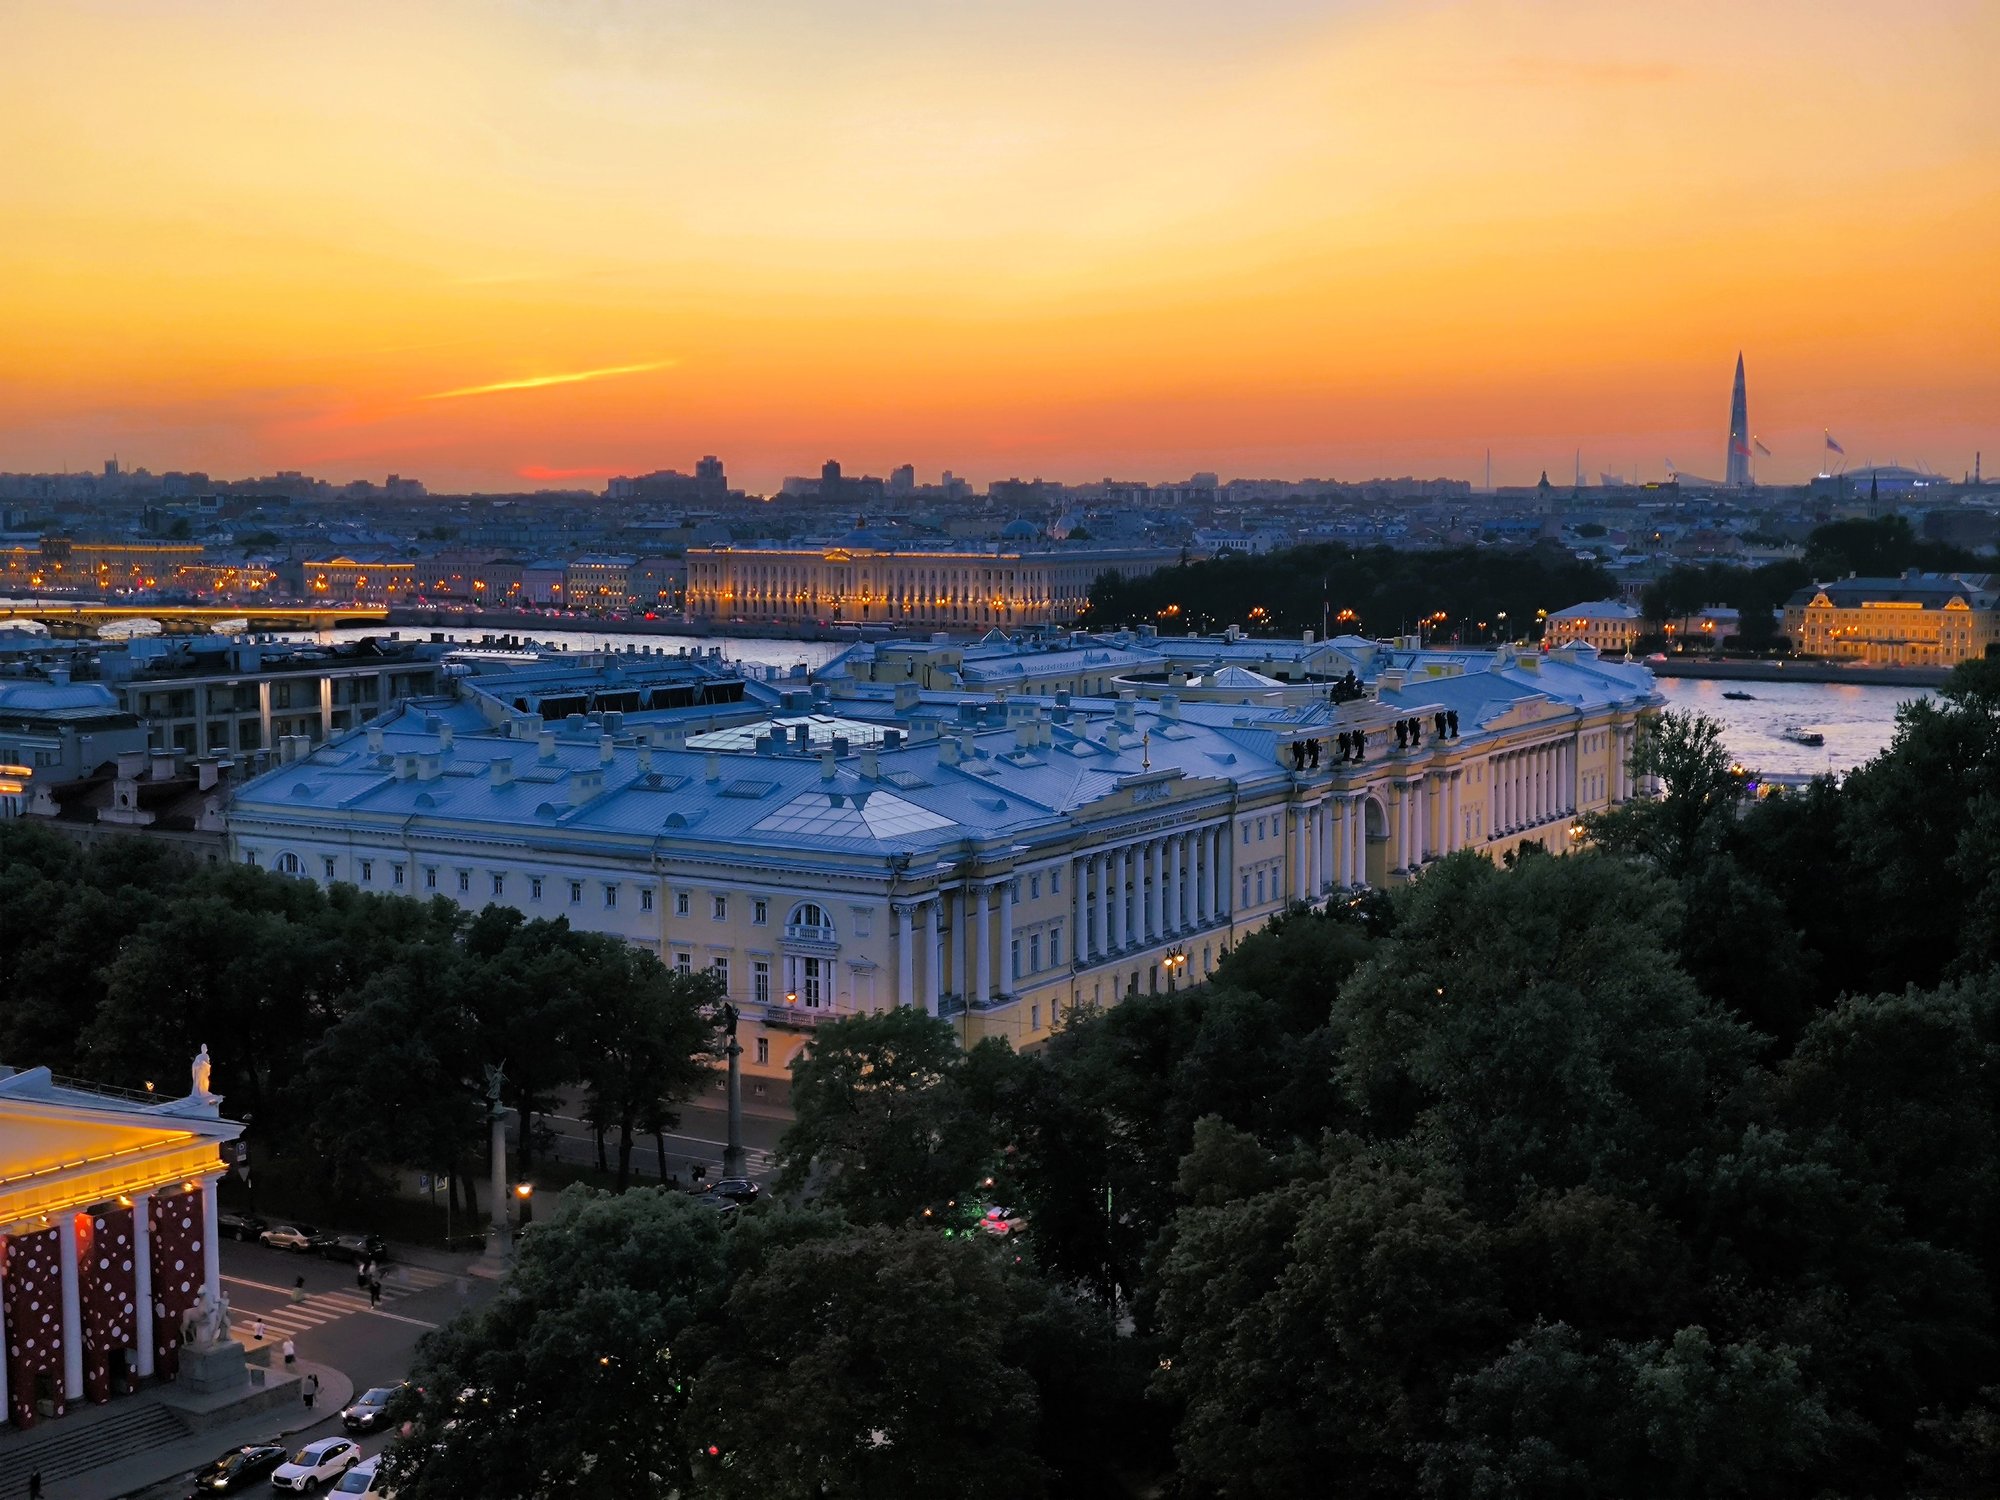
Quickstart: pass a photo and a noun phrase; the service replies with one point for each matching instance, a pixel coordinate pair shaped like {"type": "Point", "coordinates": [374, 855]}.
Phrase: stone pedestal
{"type": "Point", "coordinates": [209, 1369]}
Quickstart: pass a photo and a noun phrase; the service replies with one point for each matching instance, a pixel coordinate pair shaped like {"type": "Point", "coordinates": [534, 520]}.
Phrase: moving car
{"type": "Point", "coordinates": [1003, 1222]}
{"type": "Point", "coordinates": [735, 1189]}
{"type": "Point", "coordinates": [237, 1469]}
{"type": "Point", "coordinates": [365, 1481]}
{"type": "Point", "coordinates": [296, 1237]}
{"type": "Point", "coordinates": [353, 1248]}
{"type": "Point", "coordinates": [370, 1409]}
{"type": "Point", "coordinates": [316, 1464]}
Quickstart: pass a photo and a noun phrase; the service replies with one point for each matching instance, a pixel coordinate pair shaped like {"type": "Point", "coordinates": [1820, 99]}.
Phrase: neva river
{"type": "Point", "coordinates": [1857, 721]}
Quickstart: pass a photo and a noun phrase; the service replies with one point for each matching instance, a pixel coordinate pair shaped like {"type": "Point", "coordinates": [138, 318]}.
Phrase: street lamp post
{"type": "Point", "coordinates": [1173, 963]}
{"type": "Point", "coordinates": [732, 1151]}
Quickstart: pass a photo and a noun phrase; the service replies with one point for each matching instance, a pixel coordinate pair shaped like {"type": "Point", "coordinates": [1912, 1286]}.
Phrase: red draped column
{"type": "Point", "coordinates": [178, 1266]}
{"type": "Point", "coordinates": [34, 1322]}
{"type": "Point", "coordinates": [110, 1310]}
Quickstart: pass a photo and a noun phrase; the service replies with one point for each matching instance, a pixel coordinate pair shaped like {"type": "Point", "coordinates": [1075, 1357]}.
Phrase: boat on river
{"type": "Point", "coordinates": [1741, 697]}
{"type": "Point", "coordinates": [1811, 737]}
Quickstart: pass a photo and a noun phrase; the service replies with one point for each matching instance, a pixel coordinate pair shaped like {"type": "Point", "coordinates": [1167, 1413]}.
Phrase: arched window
{"type": "Point", "coordinates": [288, 864]}
{"type": "Point", "coordinates": [810, 920]}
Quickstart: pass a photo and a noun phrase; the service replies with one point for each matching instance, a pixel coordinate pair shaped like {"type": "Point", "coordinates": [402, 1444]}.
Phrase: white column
{"type": "Point", "coordinates": [72, 1305]}
{"type": "Point", "coordinates": [1359, 833]}
{"type": "Point", "coordinates": [1198, 877]}
{"type": "Point", "coordinates": [965, 945]}
{"type": "Point", "coordinates": [1101, 863]}
{"type": "Point", "coordinates": [983, 948]}
{"type": "Point", "coordinates": [1114, 910]}
{"type": "Point", "coordinates": [1326, 876]}
{"type": "Point", "coordinates": [3, 1329]}
{"type": "Point", "coordinates": [142, 1279]}
{"type": "Point", "coordinates": [1225, 870]}
{"type": "Point", "coordinates": [1006, 893]}
{"type": "Point", "coordinates": [1456, 840]}
{"type": "Point", "coordinates": [1156, 867]}
{"type": "Point", "coordinates": [937, 952]}
{"type": "Point", "coordinates": [906, 978]}
{"type": "Point", "coordinates": [1079, 899]}
{"type": "Point", "coordinates": [1170, 886]}
{"type": "Point", "coordinates": [1343, 845]}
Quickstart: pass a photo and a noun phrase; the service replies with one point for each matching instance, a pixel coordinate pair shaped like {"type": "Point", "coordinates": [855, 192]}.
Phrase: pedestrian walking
{"type": "Point", "coordinates": [35, 1485]}
{"type": "Point", "coordinates": [309, 1389]}
{"type": "Point", "coordinates": [257, 1330]}
{"type": "Point", "coordinates": [291, 1353]}
{"type": "Point", "coordinates": [361, 1271]}
{"type": "Point", "coordinates": [374, 1294]}
{"type": "Point", "coordinates": [298, 1289]}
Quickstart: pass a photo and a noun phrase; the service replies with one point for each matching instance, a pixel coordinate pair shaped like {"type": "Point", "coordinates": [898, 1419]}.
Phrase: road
{"type": "Point", "coordinates": [704, 1127]}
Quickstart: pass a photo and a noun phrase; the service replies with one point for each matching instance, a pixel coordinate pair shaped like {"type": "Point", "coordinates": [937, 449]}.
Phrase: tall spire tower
{"type": "Point", "coordinates": [1738, 472]}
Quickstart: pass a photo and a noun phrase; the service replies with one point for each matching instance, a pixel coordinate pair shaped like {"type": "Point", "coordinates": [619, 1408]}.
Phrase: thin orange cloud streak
{"type": "Point", "coordinates": [536, 382]}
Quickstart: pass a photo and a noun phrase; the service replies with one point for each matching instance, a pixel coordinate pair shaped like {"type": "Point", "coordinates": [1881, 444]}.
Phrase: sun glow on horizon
{"type": "Point", "coordinates": [1136, 238]}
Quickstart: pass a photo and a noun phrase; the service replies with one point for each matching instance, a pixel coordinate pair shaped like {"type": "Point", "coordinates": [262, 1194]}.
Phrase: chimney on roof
{"type": "Point", "coordinates": [430, 765]}
{"type": "Point", "coordinates": [375, 740]}
{"type": "Point", "coordinates": [829, 764]}
{"type": "Point", "coordinates": [1128, 710]}
{"type": "Point", "coordinates": [607, 749]}
{"type": "Point", "coordinates": [871, 764]}
{"type": "Point", "coordinates": [892, 739]}
{"type": "Point", "coordinates": [907, 697]}
{"type": "Point", "coordinates": [500, 771]}
{"type": "Point", "coordinates": [802, 737]}
{"type": "Point", "coordinates": [1170, 707]}
{"type": "Point", "coordinates": [548, 744]}
{"type": "Point", "coordinates": [1113, 739]}
{"type": "Point", "coordinates": [445, 735]}
{"type": "Point", "coordinates": [711, 767]}
{"type": "Point", "coordinates": [206, 774]}
{"type": "Point", "coordinates": [948, 749]}
{"type": "Point", "coordinates": [1024, 735]}
{"type": "Point", "coordinates": [645, 759]}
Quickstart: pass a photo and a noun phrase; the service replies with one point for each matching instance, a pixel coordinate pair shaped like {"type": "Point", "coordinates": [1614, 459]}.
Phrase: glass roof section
{"type": "Point", "coordinates": [851, 815]}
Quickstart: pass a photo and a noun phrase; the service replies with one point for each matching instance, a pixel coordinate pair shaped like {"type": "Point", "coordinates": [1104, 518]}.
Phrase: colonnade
{"type": "Point", "coordinates": [1538, 785]}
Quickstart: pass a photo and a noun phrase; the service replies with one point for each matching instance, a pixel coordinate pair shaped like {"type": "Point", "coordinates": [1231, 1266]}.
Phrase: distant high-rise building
{"type": "Point", "coordinates": [1738, 473]}
{"type": "Point", "coordinates": [710, 482]}
{"type": "Point", "coordinates": [902, 479]}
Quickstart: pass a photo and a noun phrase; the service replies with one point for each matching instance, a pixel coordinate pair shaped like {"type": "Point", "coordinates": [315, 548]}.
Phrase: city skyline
{"type": "Point", "coordinates": [544, 246]}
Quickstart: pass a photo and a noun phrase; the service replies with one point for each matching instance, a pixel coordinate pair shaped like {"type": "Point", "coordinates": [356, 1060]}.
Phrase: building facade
{"type": "Point", "coordinates": [1917, 620]}
{"type": "Point", "coordinates": [873, 585]}
{"type": "Point", "coordinates": [1609, 625]}
{"type": "Point", "coordinates": [999, 859]}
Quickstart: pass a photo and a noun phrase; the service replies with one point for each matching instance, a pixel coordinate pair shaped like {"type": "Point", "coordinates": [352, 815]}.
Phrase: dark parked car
{"type": "Point", "coordinates": [370, 1409]}
{"type": "Point", "coordinates": [735, 1189]}
{"type": "Point", "coordinates": [232, 1225]}
{"type": "Point", "coordinates": [237, 1469]}
{"type": "Point", "coordinates": [353, 1248]}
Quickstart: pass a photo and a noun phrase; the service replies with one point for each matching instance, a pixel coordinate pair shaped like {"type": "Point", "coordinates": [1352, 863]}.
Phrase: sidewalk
{"type": "Point", "coordinates": [141, 1441]}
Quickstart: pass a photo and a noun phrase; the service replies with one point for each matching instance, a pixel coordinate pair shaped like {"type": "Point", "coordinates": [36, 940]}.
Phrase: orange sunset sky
{"type": "Point", "coordinates": [1067, 239]}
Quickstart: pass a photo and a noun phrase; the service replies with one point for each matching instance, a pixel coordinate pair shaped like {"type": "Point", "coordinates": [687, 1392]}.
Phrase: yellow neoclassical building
{"type": "Point", "coordinates": [861, 584]}
{"type": "Point", "coordinates": [1917, 620]}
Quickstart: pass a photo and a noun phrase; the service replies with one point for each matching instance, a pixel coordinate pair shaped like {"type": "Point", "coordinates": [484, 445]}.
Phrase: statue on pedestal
{"type": "Point", "coordinates": [207, 1321]}
{"type": "Point", "coordinates": [201, 1070]}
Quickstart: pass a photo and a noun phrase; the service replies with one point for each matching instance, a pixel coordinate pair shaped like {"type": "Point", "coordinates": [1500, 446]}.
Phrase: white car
{"type": "Point", "coordinates": [315, 1464]}
{"type": "Point", "coordinates": [365, 1481]}
{"type": "Point", "coordinates": [287, 1237]}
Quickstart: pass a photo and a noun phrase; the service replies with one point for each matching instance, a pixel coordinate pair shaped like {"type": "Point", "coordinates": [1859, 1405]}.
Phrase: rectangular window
{"type": "Point", "coordinates": [534, 887]}
{"type": "Point", "coordinates": [499, 885]}
{"type": "Point", "coordinates": [1246, 833]}
{"type": "Point", "coordinates": [646, 898]}
{"type": "Point", "coordinates": [760, 982]}
{"type": "Point", "coordinates": [1015, 958]}
{"type": "Point", "coordinates": [430, 877]}
{"type": "Point", "coordinates": [399, 873]}
{"type": "Point", "coordinates": [610, 897]}
{"type": "Point", "coordinates": [328, 865]}
{"type": "Point", "coordinates": [367, 871]}
{"type": "Point", "coordinates": [1034, 887]}
{"type": "Point", "coordinates": [1035, 953]}
{"type": "Point", "coordinates": [250, 859]}
{"type": "Point", "coordinates": [722, 908]}
{"type": "Point", "coordinates": [1246, 887]}
{"type": "Point", "coordinates": [1260, 887]}
{"type": "Point", "coordinates": [681, 906]}
{"type": "Point", "coordinates": [1055, 944]}
{"type": "Point", "coordinates": [1034, 1018]}
{"type": "Point", "coordinates": [1055, 881]}
{"type": "Point", "coordinates": [684, 964]}
{"type": "Point", "coordinates": [809, 975]}
{"type": "Point", "coordinates": [576, 893]}
{"type": "Point", "coordinates": [760, 912]}
{"type": "Point", "coordinates": [465, 882]}
{"type": "Point", "coordinates": [720, 966]}
{"type": "Point", "coordinates": [763, 1051]}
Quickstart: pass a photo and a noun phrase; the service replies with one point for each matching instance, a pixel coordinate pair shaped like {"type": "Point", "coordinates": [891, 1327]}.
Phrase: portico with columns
{"type": "Point", "coordinates": [107, 1235]}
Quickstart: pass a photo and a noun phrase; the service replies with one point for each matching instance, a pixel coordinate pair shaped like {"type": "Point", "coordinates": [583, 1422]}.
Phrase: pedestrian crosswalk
{"type": "Point", "coordinates": [291, 1319]}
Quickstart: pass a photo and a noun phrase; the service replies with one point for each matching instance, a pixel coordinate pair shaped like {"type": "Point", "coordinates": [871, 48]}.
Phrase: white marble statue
{"type": "Point", "coordinates": [201, 1072]}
